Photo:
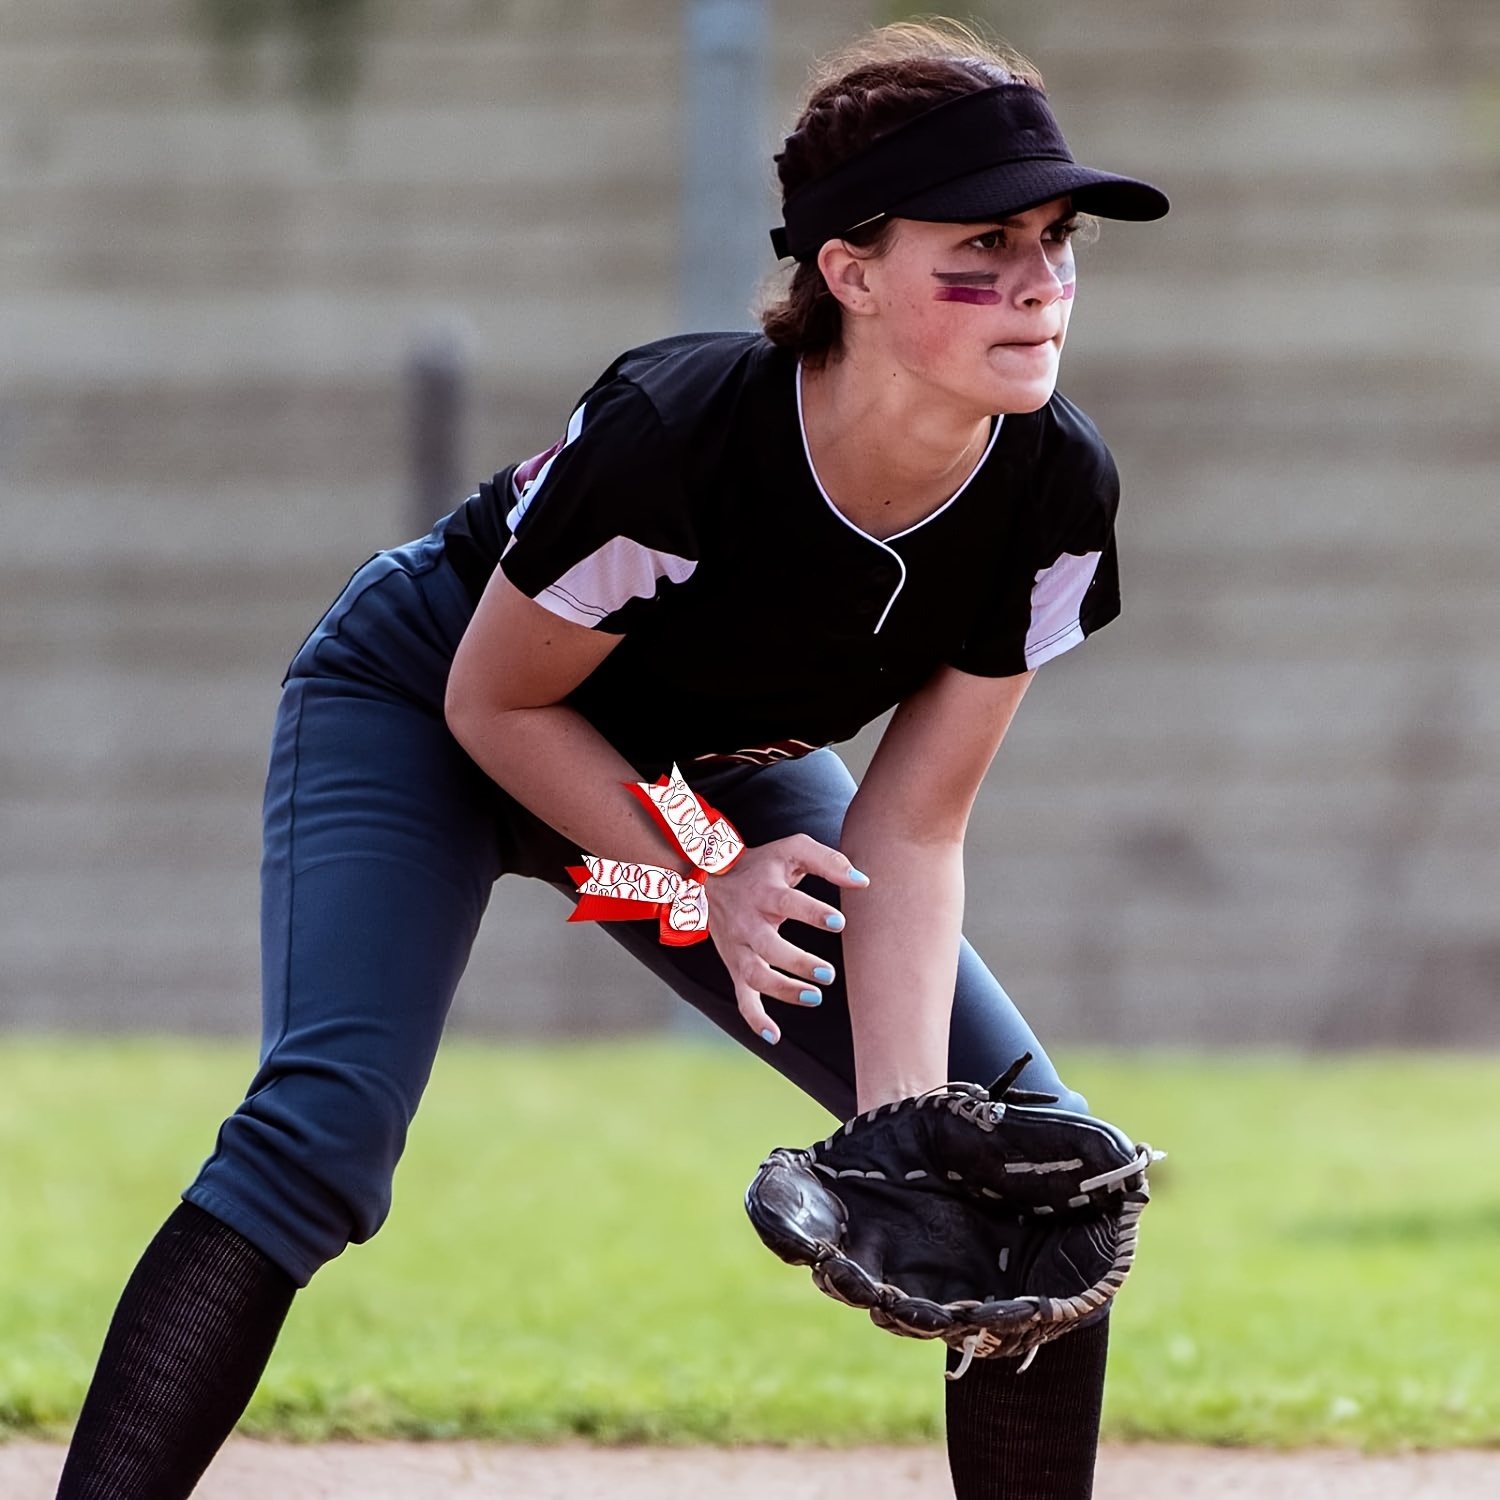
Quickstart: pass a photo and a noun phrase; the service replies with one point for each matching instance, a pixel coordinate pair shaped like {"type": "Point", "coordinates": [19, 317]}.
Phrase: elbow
{"type": "Point", "coordinates": [463, 712]}
{"type": "Point", "coordinates": [455, 707]}
{"type": "Point", "coordinates": [487, 731]}
{"type": "Point", "coordinates": [479, 729]}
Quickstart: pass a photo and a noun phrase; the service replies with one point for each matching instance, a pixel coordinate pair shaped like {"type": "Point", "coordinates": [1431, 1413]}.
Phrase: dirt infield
{"type": "Point", "coordinates": [469, 1471]}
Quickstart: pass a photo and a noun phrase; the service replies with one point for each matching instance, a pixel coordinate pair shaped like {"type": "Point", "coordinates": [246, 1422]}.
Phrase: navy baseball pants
{"type": "Point", "coordinates": [382, 842]}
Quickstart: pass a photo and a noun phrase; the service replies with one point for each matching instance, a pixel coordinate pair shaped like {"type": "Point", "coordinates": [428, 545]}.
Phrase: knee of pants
{"type": "Point", "coordinates": [304, 1167]}
{"type": "Point", "coordinates": [1072, 1099]}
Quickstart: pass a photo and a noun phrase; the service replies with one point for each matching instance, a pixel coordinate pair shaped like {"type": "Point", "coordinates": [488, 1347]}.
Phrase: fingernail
{"type": "Point", "coordinates": [823, 974]}
{"type": "Point", "coordinates": [834, 920]}
{"type": "Point", "coordinates": [768, 1036]}
{"type": "Point", "coordinates": [810, 997]}
{"type": "Point", "coordinates": [858, 876]}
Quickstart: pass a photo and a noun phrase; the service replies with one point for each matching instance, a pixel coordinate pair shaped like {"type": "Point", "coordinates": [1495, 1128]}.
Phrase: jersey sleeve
{"type": "Point", "coordinates": [1058, 579]}
{"type": "Point", "coordinates": [599, 523]}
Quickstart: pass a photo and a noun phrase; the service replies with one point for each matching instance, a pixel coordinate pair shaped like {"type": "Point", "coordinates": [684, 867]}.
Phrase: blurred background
{"type": "Point", "coordinates": [281, 280]}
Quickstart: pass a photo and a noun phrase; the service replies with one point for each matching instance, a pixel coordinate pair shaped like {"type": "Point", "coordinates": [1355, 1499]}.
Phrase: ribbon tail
{"type": "Point", "coordinates": [615, 909]}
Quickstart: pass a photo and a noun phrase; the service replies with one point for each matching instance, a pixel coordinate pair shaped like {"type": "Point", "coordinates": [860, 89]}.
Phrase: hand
{"type": "Point", "coordinates": [747, 905]}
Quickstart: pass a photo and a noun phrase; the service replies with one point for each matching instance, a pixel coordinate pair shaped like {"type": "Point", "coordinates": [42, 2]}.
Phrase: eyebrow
{"type": "Point", "coordinates": [1017, 222]}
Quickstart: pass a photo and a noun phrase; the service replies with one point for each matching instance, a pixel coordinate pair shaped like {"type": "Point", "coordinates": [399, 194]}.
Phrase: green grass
{"type": "Point", "coordinates": [568, 1254]}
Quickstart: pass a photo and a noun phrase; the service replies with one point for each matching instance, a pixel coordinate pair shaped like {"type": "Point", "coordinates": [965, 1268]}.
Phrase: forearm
{"type": "Point", "coordinates": [901, 960]}
{"type": "Point", "coordinates": [554, 762]}
{"type": "Point", "coordinates": [905, 829]}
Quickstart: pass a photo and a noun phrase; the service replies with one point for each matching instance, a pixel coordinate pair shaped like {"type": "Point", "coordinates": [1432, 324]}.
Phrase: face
{"type": "Point", "coordinates": [978, 312]}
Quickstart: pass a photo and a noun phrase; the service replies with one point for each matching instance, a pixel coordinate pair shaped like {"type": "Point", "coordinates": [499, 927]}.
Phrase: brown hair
{"type": "Point", "coordinates": [888, 77]}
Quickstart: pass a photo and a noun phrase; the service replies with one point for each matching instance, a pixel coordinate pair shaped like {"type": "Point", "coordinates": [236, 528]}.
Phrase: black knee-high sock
{"type": "Point", "coordinates": [187, 1345]}
{"type": "Point", "coordinates": [1032, 1435]}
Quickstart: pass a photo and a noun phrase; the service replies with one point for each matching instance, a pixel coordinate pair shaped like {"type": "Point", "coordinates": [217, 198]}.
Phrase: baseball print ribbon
{"type": "Point", "coordinates": [616, 890]}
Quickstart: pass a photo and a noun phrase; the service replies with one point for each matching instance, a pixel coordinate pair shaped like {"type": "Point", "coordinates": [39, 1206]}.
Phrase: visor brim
{"type": "Point", "coordinates": [1012, 187]}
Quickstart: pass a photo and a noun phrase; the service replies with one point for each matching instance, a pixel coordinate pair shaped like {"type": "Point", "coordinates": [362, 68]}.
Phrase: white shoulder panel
{"type": "Point", "coordinates": [606, 580]}
{"type": "Point", "coordinates": [1056, 601]}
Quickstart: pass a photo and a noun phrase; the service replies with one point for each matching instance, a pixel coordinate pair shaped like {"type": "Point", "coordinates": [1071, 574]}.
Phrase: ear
{"type": "Point", "coordinates": [844, 270]}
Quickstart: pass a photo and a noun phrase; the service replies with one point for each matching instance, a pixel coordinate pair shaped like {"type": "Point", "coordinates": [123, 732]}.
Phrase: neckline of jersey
{"type": "Point", "coordinates": [884, 543]}
{"type": "Point", "coordinates": [931, 516]}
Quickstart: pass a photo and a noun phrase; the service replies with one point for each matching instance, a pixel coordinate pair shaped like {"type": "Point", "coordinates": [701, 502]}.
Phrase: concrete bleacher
{"type": "Point", "coordinates": [1258, 808]}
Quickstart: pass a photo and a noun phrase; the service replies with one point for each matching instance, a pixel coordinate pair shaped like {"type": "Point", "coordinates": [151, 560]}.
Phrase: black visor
{"type": "Point", "coordinates": [985, 155]}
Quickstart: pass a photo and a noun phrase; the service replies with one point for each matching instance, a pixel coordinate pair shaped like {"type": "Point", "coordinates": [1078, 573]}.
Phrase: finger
{"type": "Point", "coordinates": [771, 984]}
{"type": "Point", "coordinates": [798, 906]}
{"type": "Point", "coordinates": [756, 981]}
{"type": "Point", "coordinates": [797, 961]}
{"type": "Point", "coordinates": [812, 858]}
{"type": "Point", "coordinates": [754, 1012]}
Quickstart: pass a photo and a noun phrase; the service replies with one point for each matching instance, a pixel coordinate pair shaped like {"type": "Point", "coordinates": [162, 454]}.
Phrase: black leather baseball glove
{"type": "Point", "coordinates": [978, 1216]}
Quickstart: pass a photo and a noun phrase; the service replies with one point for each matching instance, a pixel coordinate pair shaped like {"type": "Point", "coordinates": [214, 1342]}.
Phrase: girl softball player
{"type": "Point", "coordinates": [741, 549]}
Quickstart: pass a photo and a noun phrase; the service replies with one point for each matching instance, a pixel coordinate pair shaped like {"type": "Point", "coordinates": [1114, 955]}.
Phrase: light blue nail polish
{"type": "Point", "coordinates": [834, 920]}
{"type": "Point", "coordinates": [768, 1036]}
{"type": "Point", "coordinates": [823, 974]}
{"type": "Point", "coordinates": [859, 877]}
{"type": "Point", "coordinates": [810, 997]}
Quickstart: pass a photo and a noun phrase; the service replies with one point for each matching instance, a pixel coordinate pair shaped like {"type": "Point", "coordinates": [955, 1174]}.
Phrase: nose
{"type": "Point", "coordinates": [1042, 283]}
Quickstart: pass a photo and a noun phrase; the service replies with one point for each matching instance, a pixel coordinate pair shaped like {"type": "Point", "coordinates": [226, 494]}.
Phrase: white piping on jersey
{"type": "Point", "coordinates": [610, 577]}
{"type": "Point", "coordinates": [524, 497]}
{"type": "Point", "coordinates": [1057, 606]}
{"type": "Point", "coordinates": [859, 530]}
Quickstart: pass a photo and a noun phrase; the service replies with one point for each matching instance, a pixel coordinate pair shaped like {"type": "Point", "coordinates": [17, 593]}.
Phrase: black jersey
{"type": "Point", "coordinates": [681, 512]}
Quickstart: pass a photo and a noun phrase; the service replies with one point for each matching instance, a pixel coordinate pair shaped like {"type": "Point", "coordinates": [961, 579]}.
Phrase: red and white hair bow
{"type": "Point", "coordinates": [615, 890]}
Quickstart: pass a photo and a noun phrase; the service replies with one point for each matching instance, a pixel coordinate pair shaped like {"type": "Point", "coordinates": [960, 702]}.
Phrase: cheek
{"type": "Point", "coordinates": [923, 329]}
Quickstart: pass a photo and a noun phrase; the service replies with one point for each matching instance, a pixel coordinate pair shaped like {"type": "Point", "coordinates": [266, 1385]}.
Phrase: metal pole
{"type": "Point", "coordinates": [727, 204]}
{"type": "Point", "coordinates": [436, 398]}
